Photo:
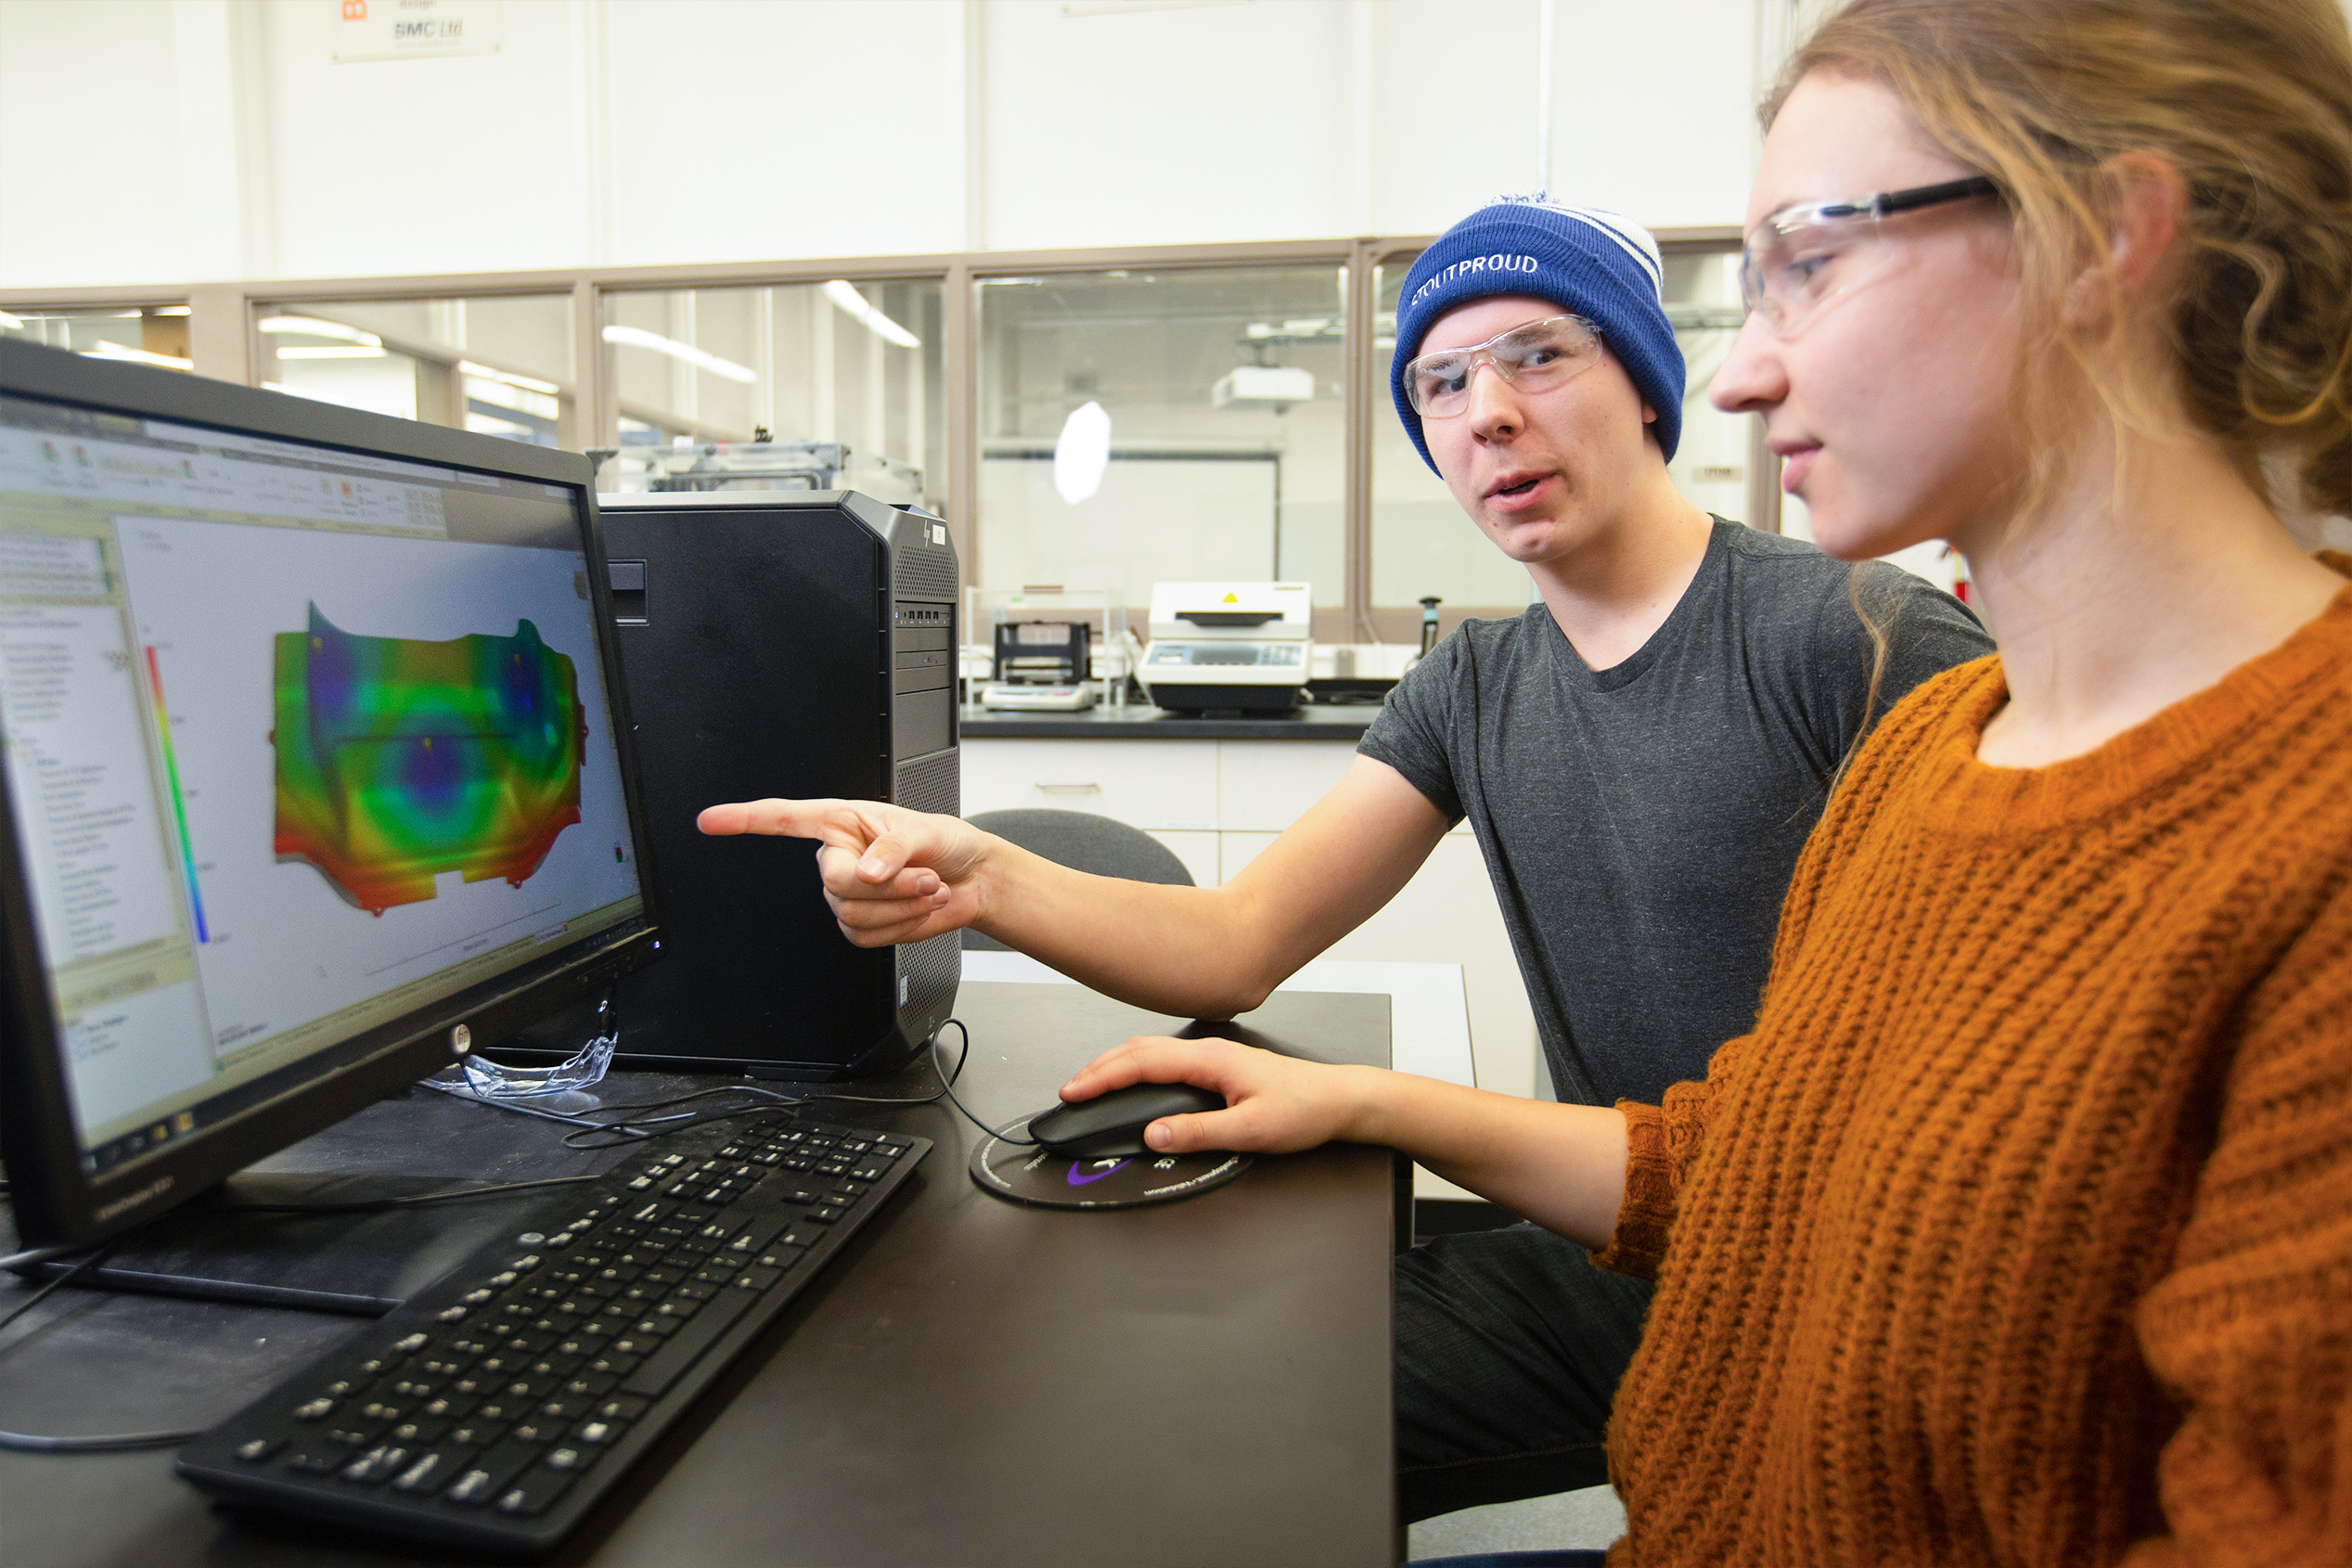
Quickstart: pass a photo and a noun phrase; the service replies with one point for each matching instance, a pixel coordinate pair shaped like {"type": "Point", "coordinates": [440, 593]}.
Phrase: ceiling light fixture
{"type": "Point", "coordinates": [329, 350]}
{"type": "Point", "coordinates": [844, 294]}
{"type": "Point", "coordinates": [637, 337]}
{"type": "Point", "coordinates": [312, 326]}
{"type": "Point", "coordinates": [105, 350]}
{"type": "Point", "coordinates": [528, 383]}
{"type": "Point", "coordinates": [13, 323]}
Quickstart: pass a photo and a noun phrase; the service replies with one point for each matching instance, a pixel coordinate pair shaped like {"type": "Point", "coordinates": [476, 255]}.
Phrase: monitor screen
{"type": "Point", "coordinates": [298, 742]}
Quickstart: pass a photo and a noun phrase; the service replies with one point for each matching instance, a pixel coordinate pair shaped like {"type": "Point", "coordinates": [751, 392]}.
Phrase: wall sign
{"type": "Point", "coordinates": [399, 30]}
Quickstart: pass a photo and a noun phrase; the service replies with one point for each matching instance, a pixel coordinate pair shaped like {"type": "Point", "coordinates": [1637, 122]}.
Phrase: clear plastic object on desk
{"type": "Point", "coordinates": [583, 1069]}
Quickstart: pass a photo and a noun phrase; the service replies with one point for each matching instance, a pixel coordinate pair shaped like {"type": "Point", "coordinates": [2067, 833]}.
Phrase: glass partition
{"type": "Point", "coordinates": [1164, 425]}
{"type": "Point", "coordinates": [1422, 542]}
{"type": "Point", "coordinates": [499, 364]}
{"type": "Point", "coordinates": [143, 334]}
{"type": "Point", "coordinates": [847, 378]}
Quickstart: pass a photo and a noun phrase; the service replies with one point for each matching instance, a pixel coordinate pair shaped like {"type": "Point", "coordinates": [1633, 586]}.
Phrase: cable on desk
{"type": "Point", "coordinates": [628, 1128]}
{"type": "Point", "coordinates": [415, 1199]}
{"type": "Point", "coordinates": [110, 1443]}
{"type": "Point", "coordinates": [129, 1441]}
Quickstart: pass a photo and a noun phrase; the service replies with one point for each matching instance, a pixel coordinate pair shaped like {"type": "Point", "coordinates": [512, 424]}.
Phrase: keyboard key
{"type": "Point", "coordinates": [535, 1492]}
{"type": "Point", "coordinates": [488, 1475]}
{"type": "Point", "coordinates": [258, 1448]}
{"type": "Point", "coordinates": [477, 1433]}
{"type": "Point", "coordinates": [622, 1407]}
{"type": "Point", "coordinates": [428, 1471]}
{"type": "Point", "coordinates": [662, 1369]}
{"type": "Point", "coordinates": [318, 1458]}
{"type": "Point", "coordinates": [376, 1464]}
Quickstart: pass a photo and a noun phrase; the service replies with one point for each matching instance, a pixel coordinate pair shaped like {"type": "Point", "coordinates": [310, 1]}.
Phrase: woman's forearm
{"type": "Point", "coordinates": [1563, 1166]}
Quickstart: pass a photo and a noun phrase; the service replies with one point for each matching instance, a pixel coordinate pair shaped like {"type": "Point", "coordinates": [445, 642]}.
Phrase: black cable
{"type": "Point", "coordinates": [947, 1087]}
{"type": "Point", "coordinates": [111, 1443]}
{"type": "Point", "coordinates": [372, 1205]}
{"type": "Point", "coordinates": [628, 1128]}
{"type": "Point", "coordinates": [123, 1443]}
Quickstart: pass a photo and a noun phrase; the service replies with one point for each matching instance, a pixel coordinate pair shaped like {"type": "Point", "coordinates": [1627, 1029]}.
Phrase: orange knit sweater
{"type": "Point", "coordinates": [2020, 1229]}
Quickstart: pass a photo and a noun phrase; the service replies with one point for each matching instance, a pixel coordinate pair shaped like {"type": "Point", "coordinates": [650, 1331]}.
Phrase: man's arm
{"type": "Point", "coordinates": [896, 876]}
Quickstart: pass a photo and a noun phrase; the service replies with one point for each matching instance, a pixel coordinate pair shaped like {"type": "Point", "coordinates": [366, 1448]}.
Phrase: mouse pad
{"type": "Point", "coordinates": [1022, 1173]}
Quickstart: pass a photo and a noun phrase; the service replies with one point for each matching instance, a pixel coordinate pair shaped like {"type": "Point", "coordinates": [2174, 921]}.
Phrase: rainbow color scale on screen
{"type": "Point", "coordinates": [400, 761]}
{"type": "Point", "coordinates": [179, 803]}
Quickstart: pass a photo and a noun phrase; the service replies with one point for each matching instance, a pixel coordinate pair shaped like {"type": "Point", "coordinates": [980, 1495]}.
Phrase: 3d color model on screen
{"type": "Point", "coordinates": [401, 760]}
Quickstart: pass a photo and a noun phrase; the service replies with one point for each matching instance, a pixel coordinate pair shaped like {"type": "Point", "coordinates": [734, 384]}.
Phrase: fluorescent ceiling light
{"type": "Point", "coordinates": [13, 323]}
{"type": "Point", "coordinates": [528, 383]}
{"type": "Point", "coordinates": [844, 294]}
{"type": "Point", "coordinates": [311, 392]}
{"type": "Point", "coordinates": [104, 350]}
{"type": "Point", "coordinates": [311, 326]}
{"type": "Point", "coordinates": [329, 350]}
{"type": "Point", "coordinates": [169, 310]}
{"type": "Point", "coordinates": [637, 337]}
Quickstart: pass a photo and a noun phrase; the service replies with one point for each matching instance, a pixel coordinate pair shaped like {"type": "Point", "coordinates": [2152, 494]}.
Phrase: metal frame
{"type": "Point", "coordinates": [223, 345]}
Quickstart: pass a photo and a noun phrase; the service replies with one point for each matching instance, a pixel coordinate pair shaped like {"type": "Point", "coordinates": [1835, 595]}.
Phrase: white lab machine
{"type": "Point", "coordinates": [1229, 646]}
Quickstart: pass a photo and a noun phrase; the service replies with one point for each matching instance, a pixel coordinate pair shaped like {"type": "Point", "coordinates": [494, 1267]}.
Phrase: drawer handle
{"type": "Point", "coordinates": [1071, 789]}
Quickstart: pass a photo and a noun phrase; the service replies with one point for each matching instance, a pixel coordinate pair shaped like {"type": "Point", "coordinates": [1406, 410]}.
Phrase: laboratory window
{"type": "Point", "coordinates": [500, 364]}
{"type": "Point", "coordinates": [1141, 426]}
{"type": "Point", "coordinates": [837, 384]}
{"type": "Point", "coordinates": [139, 334]}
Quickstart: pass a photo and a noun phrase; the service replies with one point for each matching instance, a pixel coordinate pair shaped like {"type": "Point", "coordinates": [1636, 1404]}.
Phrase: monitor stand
{"type": "Point", "coordinates": [219, 1248]}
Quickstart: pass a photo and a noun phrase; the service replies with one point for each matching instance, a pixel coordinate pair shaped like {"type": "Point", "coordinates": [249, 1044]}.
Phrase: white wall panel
{"type": "Point", "coordinates": [1174, 126]}
{"type": "Point", "coordinates": [184, 140]}
{"type": "Point", "coordinates": [746, 128]}
{"type": "Point", "coordinates": [1654, 108]}
{"type": "Point", "coordinates": [88, 128]}
{"type": "Point", "coordinates": [444, 164]}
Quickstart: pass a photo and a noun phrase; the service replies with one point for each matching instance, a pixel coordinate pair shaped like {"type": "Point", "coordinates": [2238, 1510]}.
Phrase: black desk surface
{"type": "Point", "coordinates": [1236, 1347]}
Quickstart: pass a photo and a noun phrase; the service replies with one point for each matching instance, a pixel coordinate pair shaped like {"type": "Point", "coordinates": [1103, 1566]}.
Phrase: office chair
{"type": "Point", "coordinates": [1084, 842]}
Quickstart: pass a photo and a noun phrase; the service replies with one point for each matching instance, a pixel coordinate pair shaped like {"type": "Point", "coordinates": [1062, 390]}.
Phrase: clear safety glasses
{"type": "Point", "coordinates": [1801, 258]}
{"type": "Point", "coordinates": [1534, 358]}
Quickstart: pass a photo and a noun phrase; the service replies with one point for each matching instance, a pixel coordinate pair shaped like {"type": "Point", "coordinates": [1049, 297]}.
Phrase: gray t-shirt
{"type": "Point", "coordinates": [1642, 822]}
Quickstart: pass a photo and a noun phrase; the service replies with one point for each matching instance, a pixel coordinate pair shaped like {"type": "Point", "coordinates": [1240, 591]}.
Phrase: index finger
{"type": "Point", "coordinates": [832, 821]}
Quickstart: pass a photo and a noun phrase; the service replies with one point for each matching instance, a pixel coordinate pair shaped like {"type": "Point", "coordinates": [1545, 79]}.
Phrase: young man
{"type": "Point", "coordinates": [1640, 755]}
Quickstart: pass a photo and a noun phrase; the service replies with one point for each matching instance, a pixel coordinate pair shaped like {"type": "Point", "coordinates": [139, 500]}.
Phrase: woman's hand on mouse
{"type": "Point", "coordinates": [1274, 1104]}
{"type": "Point", "coordinates": [890, 875]}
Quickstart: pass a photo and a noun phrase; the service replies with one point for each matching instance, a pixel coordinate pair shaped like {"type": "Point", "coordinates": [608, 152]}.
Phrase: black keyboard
{"type": "Point", "coordinates": [495, 1409]}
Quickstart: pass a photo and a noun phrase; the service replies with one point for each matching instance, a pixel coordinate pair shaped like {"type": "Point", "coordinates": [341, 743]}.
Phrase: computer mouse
{"type": "Point", "coordinates": [1112, 1124]}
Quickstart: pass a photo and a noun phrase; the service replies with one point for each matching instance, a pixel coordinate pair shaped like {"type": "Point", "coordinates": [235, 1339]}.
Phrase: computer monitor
{"type": "Point", "coordinates": [316, 772]}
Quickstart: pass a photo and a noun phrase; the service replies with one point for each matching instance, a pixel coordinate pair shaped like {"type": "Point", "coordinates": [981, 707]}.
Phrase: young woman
{"type": "Point", "coordinates": [2019, 1228]}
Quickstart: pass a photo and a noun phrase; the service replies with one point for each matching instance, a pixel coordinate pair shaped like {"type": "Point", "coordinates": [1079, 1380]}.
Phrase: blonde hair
{"type": "Point", "coordinates": [2250, 101]}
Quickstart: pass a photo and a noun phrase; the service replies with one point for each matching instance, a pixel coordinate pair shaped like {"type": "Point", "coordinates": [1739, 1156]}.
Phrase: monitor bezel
{"type": "Point", "coordinates": [55, 1199]}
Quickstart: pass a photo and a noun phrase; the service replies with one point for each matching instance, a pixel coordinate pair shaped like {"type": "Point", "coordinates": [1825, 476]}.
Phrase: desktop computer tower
{"type": "Point", "coordinates": [793, 644]}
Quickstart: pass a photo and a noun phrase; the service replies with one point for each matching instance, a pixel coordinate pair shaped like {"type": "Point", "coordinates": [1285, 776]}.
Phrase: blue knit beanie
{"type": "Point", "coordinates": [1590, 262]}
